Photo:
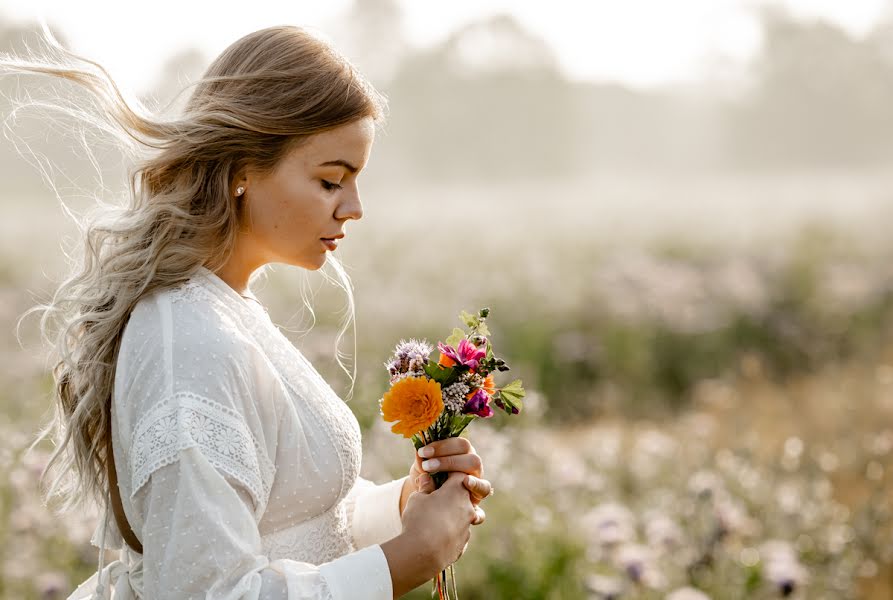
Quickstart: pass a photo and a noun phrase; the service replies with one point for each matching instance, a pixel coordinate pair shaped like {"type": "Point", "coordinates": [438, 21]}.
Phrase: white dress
{"type": "Point", "coordinates": [238, 465]}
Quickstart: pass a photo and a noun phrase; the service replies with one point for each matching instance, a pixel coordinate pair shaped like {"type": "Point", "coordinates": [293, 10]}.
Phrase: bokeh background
{"type": "Point", "coordinates": [678, 214]}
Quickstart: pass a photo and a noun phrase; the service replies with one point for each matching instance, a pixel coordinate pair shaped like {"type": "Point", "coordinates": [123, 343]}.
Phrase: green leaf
{"type": "Point", "coordinates": [469, 319]}
{"type": "Point", "coordinates": [457, 336]}
{"type": "Point", "coordinates": [460, 423]}
{"type": "Point", "coordinates": [439, 374]}
{"type": "Point", "coordinates": [512, 393]}
{"type": "Point", "coordinates": [482, 329]}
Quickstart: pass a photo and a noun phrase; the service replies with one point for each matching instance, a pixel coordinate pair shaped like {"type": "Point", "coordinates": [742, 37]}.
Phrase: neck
{"type": "Point", "coordinates": [237, 271]}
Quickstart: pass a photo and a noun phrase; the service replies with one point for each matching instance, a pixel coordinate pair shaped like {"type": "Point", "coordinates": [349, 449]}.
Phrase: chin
{"type": "Point", "coordinates": [317, 264]}
{"type": "Point", "coordinates": [309, 264]}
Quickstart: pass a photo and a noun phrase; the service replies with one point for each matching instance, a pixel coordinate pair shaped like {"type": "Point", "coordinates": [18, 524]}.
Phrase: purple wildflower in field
{"type": "Point", "coordinates": [783, 568]}
{"type": "Point", "coordinates": [705, 484]}
{"type": "Point", "coordinates": [609, 524]}
{"type": "Point", "coordinates": [638, 562]}
{"type": "Point", "coordinates": [51, 585]}
{"type": "Point", "coordinates": [664, 533]}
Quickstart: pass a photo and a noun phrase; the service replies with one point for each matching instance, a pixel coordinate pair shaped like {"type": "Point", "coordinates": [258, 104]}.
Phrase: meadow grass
{"type": "Point", "coordinates": [700, 414]}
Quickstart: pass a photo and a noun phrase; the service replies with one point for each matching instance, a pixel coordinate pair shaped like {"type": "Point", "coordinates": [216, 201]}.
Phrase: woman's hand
{"type": "Point", "coordinates": [436, 526]}
{"type": "Point", "coordinates": [454, 454]}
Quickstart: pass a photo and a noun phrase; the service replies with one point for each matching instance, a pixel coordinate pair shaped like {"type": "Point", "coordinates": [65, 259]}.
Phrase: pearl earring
{"type": "Point", "coordinates": [240, 190]}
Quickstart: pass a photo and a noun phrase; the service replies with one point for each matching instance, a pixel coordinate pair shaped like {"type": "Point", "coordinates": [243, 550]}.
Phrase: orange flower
{"type": "Point", "coordinates": [489, 387]}
{"type": "Point", "coordinates": [446, 361]}
{"type": "Point", "coordinates": [415, 402]}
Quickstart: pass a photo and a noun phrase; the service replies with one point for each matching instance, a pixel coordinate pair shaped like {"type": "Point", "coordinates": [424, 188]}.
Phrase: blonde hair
{"type": "Point", "coordinates": [260, 98]}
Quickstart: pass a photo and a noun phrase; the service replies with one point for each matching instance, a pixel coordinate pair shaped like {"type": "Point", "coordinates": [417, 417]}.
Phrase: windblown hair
{"type": "Point", "coordinates": [261, 97]}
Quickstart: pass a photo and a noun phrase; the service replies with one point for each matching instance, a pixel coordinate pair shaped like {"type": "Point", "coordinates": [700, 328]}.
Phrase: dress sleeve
{"type": "Point", "coordinates": [374, 511]}
{"type": "Point", "coordinates": [201, 540]}
{"type": "Point", "coordinates": [196, 420]}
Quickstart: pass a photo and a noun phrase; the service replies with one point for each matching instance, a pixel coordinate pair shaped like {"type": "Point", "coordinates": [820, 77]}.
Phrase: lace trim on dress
{"type": "Point", "coordinates": [188, 420]}
{"type": "Point", "coordinates": [315, 541]}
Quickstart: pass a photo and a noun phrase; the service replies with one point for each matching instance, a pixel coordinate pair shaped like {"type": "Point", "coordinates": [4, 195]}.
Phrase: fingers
{"type": "Point", "coordinates": [456, 478]}
{"type": "Point", "coordinates": [479, 488]}
{"type": "Point", "coordinates": [453, 445]}
{"type": "Point", "coordinates": [425, 484]}
{"type": "Point", "coordinates": [479, 516]}
{"type": "Point", "coordinates": [467, 463]}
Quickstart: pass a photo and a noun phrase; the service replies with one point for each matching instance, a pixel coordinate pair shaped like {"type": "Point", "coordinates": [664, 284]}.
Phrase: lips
{"type": "Point", "coordinates": [331, 242]}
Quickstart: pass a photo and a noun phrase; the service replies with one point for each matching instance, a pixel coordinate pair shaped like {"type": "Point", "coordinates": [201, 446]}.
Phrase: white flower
{"type": "Point", "coordinates": [686, 593]}
{"type": "Point", "coordinates": [783, 567]}
{"type": "Point", "coordinates": [166, 430]}
{"type": "Point", "coordinates": [454, 396]}
{"type": "Point", "coordinates": [638, 562]}
{"type": "Point", "coordinates": [609, 524]}
{"type": "Point", "coordinates": [201, 428]}
{"type": "Point", "coordinates": [664, 533]}
{"type": "Point", "coordinates": [229, 442]}
{"type": "Point", "coordinates": [605, 587]}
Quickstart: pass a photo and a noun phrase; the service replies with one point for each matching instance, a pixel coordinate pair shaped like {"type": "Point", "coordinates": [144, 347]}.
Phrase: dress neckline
{"type": "Point", "coordinates": [250, 301]}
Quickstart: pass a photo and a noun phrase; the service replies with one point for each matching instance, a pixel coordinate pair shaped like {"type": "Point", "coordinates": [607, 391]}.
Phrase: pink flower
{"type": "Point", "coordinates": [467, 354]}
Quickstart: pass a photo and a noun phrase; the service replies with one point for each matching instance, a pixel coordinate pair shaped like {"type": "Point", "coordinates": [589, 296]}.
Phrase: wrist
{"type": "Point", "coordinates": [411, 562]}
{"type": "Point", "coordinates": [407, 489]}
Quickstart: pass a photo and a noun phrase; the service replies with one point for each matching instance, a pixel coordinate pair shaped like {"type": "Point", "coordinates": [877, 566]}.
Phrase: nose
{"type": "Point", "coordinates": [350, 206]}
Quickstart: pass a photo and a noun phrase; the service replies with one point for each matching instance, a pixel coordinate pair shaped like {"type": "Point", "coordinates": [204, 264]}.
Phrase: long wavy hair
{"type": "Point", "coordinates": [260, 98]}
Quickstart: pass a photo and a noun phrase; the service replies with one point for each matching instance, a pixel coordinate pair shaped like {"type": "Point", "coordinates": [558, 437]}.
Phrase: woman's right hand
{"type": "Point", "coordinates": [440, 520]}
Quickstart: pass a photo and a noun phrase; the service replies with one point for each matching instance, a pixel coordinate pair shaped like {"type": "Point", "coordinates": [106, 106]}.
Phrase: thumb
{"type": "Point", "coordinates": [425, 483]}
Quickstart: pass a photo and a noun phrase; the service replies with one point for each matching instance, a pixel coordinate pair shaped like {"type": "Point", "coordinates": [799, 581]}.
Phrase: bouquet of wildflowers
{"type": "Point", "coordinates": [434, 401]}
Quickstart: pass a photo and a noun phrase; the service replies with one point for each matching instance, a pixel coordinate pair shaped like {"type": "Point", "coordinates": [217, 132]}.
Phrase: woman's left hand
{"type": "Point", "coordinates": [455, 454]}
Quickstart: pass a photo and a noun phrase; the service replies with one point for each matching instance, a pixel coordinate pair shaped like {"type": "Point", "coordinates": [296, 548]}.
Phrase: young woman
{"type": "Point", "coordinates": [227, 466]}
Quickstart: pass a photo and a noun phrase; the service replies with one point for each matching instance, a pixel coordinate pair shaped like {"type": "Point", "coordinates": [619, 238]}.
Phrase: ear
{"type": "Point", "coordinates": [239, 179]}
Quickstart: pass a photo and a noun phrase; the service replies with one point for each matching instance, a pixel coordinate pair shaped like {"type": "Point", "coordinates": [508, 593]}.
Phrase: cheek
{"type": "Point", "coordinates": [295, 211]}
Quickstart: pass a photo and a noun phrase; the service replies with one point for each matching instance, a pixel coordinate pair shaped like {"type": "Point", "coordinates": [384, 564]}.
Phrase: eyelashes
{"type": "Point", "coordinates": [329, 186]}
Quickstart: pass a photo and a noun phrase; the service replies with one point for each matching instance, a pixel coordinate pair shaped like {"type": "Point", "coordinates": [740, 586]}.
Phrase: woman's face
{"type": "Point", "coordinates": [310, 196]}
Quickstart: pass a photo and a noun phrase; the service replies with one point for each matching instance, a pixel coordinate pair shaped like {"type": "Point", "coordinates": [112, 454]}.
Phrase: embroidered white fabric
{"type": "Point", "coordinates": [238, 465]}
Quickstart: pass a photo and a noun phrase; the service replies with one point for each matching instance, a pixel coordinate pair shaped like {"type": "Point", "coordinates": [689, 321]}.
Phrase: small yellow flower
{"type": "Point", "coordinates": [414, 402]}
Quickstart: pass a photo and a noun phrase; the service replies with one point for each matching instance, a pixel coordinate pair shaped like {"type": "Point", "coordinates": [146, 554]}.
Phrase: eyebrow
{"type": "Point", "coordinates": [339, 163]}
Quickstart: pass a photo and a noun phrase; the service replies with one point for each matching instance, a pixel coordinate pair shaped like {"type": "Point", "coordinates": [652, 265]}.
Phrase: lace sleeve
{"type": "Point", "coordinates": [373, 511]}
{"type": "Point", "coordinates": [188, 420]}
{"type": "Point", "coordinates": [195, 413]}
{"type": "Point", "coordinates": [201, 541]}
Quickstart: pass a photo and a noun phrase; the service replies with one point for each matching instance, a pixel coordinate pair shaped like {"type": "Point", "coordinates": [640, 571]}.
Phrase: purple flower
{"type": "Point", "coordinates": [408, 357]}
{"type": "Point", "coordinates": [412, 350]}
{"type": "Point", "coordinates": [479, 405]}
{"type": "Point", "coordinates": [467, 354]}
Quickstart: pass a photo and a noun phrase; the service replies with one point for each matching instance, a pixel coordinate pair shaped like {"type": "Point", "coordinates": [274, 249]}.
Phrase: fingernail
{"type": "Point", "coordinates": [429, 465]}
{"type": "Point", "coordinates": [426, 451]}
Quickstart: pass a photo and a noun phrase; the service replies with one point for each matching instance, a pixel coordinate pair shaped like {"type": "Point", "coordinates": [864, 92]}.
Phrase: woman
{"type": "Point", "coordinates": [228, 468]}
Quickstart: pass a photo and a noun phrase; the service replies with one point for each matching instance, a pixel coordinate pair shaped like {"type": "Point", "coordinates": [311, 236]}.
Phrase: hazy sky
{"type": "Point", "coordinates": [639, 42]}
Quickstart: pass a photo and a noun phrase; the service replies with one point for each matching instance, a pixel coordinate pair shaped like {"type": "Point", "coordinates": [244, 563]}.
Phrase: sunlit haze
{"type": "Point", "coordinates": [642, 43]}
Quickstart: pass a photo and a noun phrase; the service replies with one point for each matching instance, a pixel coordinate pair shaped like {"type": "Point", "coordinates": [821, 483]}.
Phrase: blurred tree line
{"type": "Point", "coordinates": [491, 101]}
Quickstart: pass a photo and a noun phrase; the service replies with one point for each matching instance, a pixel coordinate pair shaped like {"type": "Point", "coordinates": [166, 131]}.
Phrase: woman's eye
{"type": "Point", "coordinates": [329, 186]}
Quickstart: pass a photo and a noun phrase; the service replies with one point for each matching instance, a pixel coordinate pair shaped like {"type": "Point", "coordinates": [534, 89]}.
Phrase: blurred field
{"type": "Point", "coordinates": [709, 360]}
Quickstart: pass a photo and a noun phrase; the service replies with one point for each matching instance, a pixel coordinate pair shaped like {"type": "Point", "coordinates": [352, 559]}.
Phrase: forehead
{"type": "Point", "coordinates": [351, 142]}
